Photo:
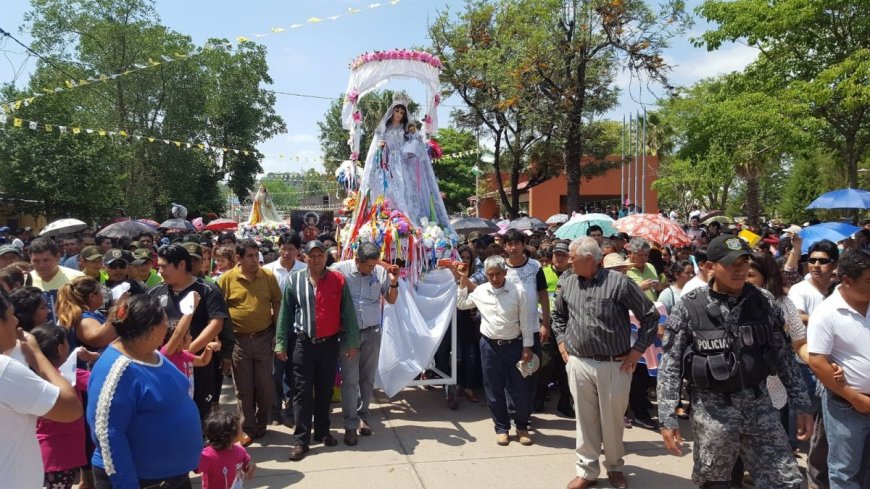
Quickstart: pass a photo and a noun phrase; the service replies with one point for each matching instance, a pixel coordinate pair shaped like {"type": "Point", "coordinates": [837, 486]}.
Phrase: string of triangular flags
{"type": "Point", "coordinates": [461, 154]}
{"type": "Point", "coordinates": [48, 127]}
{"type": "Point", "coordinates": [68, 85]}
{"type": "Point", "coordinates": [159, 60]}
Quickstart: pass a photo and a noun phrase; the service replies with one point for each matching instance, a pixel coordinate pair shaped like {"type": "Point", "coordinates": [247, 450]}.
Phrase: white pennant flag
{"type": "Point", "coordinates": [32, 125]}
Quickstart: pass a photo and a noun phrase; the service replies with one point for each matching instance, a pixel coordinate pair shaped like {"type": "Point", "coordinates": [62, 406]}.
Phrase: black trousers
{"type": "Point", "coordinates": [204, 392]}
{"type": "Point", "coordinates": [314, 366]}
{"type": "Point", "coordinates": [638, 396]}
{"type": "Point", "coordinates": [102, 481]}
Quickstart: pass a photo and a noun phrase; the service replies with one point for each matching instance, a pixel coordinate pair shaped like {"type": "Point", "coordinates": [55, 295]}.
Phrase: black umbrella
{"type": "Point", "coordinates": [527, 224]}
{"type": "Point", "coordinates": [177, 225]}
{"type": "Point", "coordinates": [126, 229]}
{"type": "Point", "coordinates": [468, 225]}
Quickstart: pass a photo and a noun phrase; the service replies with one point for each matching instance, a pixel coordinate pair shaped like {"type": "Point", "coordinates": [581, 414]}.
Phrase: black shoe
{"type": "Point", "coordinates": [327, 440]}
{"type": "Point", "coordinates": [647, 423]}
{"type": "Point", "coordinates": [566, 412]}
{"type": "Point", "coordinates": [298, 452]}
{"type": "Point", "coordinates": [350, 438]}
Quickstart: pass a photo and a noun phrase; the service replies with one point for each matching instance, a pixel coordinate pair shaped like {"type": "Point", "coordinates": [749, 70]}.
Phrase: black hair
{"type": "Point", "coordinates": [678, 266]}
{"type": "Point", "coordinates": [12, 276]}
{"type": "Point", "coordinates": [135, 317]}
{"type": "Point", "coordinates": [43, 245]}
{"type": "Point", "coordinates": [5, 303]}
{"type": "Point", "coordinates": [26, 301]}
{"type": "Point", "coordinates": [404, 116]}
{"type": "Point", "coordinates": [594, 227]}
{"type": "Point", "coordinates": [853, 263]}
{"type": "Point", "coordinates": [99, 240]}
{"type": "Point", "coordinates": [244, 244]}
{"type": "Point", "coordinates": [825, 246]}
{"type": "Point", "coordinates": [175, 254]}
{"type": "Point", "coordinates": [764, 264]}
{"type": "Point", "coordinates": [221, 428]}
{"type": "Point", "coordinates": [76, 238]}
{"type": "Point", "coordinates": [227, 236]}
{"type": "Point", "coordinates": [655, 259]}
{"type": "Point", "coordinates": [50, 336]}
{"type": "Point", "coordinates": [514, 235]}
{"type": "Point", "coordinates": [290, 239]}
{"type": "Point", "coordinates": [700, 257]}
{"type": "Point", "coordinates": [146, 234]}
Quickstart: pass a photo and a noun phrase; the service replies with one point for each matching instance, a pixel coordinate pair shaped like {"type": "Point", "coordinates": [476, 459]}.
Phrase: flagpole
{"type": "Point", "coordinates": [622, 169]}
{"type": "Point", "coordinates": [628, 153]}
{"type": "Point", "coordinates": [636, 155]}
{"type": "Point", "coordinates": [643, 148]}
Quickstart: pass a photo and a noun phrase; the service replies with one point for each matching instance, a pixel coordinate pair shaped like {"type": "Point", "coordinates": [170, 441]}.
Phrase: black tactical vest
{"type": "Point", "coordinates": [727, 354]}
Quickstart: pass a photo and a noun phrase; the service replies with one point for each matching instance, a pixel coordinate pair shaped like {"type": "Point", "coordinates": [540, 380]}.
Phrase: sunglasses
{"type": "Point", "coordinates": [116, 265]}
{"type": "Point", "coordinates": [819, 261]}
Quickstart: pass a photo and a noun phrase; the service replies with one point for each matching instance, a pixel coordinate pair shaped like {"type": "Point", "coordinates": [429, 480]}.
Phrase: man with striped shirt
{"type": "Point", "coordinates": [317, 308]}
{"type": "Point", "coordinates": [593, 333]}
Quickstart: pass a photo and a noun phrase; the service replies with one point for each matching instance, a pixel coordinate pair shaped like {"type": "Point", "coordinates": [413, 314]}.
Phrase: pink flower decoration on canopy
{"type": "Point", "coordinates": [357, 117]}
{"type": "Point", "coordinates": [396, 54]}
{"type": "Point", "coordinates": [354, 156]}
{"type": "Point", "coordinates": [437, 99]}
{"type": "Point", "coordinates": [353, 96]}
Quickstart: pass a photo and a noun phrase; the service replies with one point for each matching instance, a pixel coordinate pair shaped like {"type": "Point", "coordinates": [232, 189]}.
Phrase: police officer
{"type": "Point", "coordinates": [724, 339]}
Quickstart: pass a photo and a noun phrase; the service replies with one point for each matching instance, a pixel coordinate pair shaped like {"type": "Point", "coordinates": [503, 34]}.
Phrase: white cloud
{"type": "Point", "coordinates": [302, 138]}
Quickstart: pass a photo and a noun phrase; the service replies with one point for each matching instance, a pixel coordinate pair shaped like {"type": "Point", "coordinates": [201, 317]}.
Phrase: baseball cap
{"type": "Point", "coordinates": [727, 249]}
{"type": "Point", "coordinates": [314, 244]}
{"type": "Point", "coordinates": [9, 249]}
{"type": "Point", "coordinates": [4, 229]}
{"type": "Point", "coordinates": [134, 245]}
{"type": "Point", "coordinates": [114, 255]}
{"type": "Point", "coordinates": [90, 253]}
{"type": "Point", "coordinates": [793, 229]}
{"type": "Point", "coordinates": [560, 247]}
{"type": "Point", "coordinates": [142, 255]}
{"type": "Point", "coordinates": [473, 236]}
{"type": "Point", "coordinates": [194, 249]}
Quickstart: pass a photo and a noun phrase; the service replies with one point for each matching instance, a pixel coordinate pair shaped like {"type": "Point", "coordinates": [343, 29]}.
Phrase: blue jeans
{"type": "Point", "coordinates": [849, 447]}
{"type": "Point", "coordinates": [500, 374]}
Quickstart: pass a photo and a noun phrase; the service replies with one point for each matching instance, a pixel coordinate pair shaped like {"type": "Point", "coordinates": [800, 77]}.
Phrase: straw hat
{"type": "Point", "coordinates": [614, 260]}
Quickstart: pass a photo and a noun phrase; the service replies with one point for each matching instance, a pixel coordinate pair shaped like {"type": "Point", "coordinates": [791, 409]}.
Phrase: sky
{"type": "Point", "coordinates": [313, 59]}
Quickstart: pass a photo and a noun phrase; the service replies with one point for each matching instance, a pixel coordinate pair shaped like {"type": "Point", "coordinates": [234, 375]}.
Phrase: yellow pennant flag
{"type": "Point", "coordinates": [83, 82]}
{"type": "Point", "coordinates": [314, 20]}
{"type": "Point", "coordinates": [242, 39]}
{"type": "Point", "coordinates": [103, 78]}
{"type": "Point", "coordinates": [70, 83]}
{"type": "Point", "coordinates": [101, 132]}
{"type": "Point", "coordinates": [246, 152]}
{"type": "Point", "coordinates": [277, 30]}
{"type": "Point", "coordinates": [76, 130]}
{"type": "Point", "coordinates": [200, 146]}
{"type": "Point", "coordinates": [48, 128]}
{"type": "Point", "coordinates": [122, 133]}
{"type": "Point", "coordinates": [281, 156]}
{"type": "Point", "coordinates": [152, 62]}
{"type": "Point", "coordinates": [48, 90]}
{"type": "Point", "coordinates": [17, 122]}
{"type": "Point", "coordinates": [177, 143]}
{"type": "Point", "coordinates": [150, 140]}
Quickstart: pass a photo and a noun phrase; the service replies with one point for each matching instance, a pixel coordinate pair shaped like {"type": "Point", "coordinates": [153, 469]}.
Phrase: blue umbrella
{"type": "Point", "coordinates": [576, 227]}
{"type": "Point", "coordinates": [844, 198]}
{"type": "Point", "coordinates": [833, 231]}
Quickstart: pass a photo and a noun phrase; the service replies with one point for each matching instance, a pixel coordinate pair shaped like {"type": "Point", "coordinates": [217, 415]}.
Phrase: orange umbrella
{"type": "Point", "coordinates": [655, 228]}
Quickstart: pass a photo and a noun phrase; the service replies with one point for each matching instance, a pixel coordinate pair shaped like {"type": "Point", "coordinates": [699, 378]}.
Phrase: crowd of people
{"type": "Point", "coordinates": [108, 342]}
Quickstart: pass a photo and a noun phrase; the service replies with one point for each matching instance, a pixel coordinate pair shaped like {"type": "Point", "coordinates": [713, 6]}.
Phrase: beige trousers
{"type": "Point", "coordinates": [600, 392]}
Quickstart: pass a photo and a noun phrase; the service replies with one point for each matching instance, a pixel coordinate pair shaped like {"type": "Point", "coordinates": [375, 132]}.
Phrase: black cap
{"type": "Point", "coordinates": [727, 249]}
{"type": "Point", "coordinates": [115, 255]}
{"type": "Point", "coordinates": [194, 249]}
{"type": "Point", "coordinates": [314, 244]}
{"type": "Point", "coordinates": [560, 246]}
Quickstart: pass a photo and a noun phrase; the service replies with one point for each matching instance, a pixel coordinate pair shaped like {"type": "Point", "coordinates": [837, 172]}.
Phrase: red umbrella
{"type": "Point", "coordinates": [222, 225]}
{"type": "Point", "coordinates": [655, 228]}
{"type": "Point", "coordinates": [150, 222]}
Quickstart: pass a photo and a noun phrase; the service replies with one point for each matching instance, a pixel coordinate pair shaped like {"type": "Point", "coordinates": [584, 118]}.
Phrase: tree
{"type": "Point", "coordinates": [570, 51]}
{"type": "Point", "coordinates": [211, 97]}
{"type": "Point", "coordinates": [333, 135]}
{"type": "Point", "coordinates": [813, 52]}
{"type": "Point", "coordinates": [479, 53]}
{"type": "Point", "coordinates": [805, 182]}
{"type": "Point", "coordinates": [455, 176]}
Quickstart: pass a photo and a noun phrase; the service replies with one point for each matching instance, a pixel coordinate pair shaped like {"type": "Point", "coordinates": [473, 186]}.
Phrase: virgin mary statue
{"type": "Point", "coordinates": [263, 211]}
{"type": "Point", "coordinates": [404, 177]}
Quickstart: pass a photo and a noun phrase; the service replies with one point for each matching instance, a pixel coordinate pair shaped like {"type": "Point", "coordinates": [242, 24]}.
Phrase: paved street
{"type": "Point", "coordinates": [419, 443]}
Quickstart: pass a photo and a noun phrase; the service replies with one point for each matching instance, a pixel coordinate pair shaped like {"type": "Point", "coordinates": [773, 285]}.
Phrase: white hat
{"type": "Point", "coordinates": [530, 367]}
{"type": "Point", "coordinates": [614, 260]}
{"type": "Point", "coordinates": [794, 228]}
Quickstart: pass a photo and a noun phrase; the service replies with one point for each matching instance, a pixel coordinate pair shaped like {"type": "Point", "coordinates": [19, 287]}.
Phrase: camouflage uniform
{"type": "Point", "coordinates": [743, 423]}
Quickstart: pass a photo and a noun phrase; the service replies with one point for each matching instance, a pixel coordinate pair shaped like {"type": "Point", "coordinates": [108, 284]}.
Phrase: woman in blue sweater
{"type": "Point", "coordinates": [145, 425]}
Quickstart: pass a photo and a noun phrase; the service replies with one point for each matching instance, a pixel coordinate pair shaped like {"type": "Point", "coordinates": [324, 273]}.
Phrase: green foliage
{"type": "Point", "coordinates": [333, 136]}
{"type": "Point", "coordinates": [214, 97]}
{"type": "Point", "coordinates": [814, 53]}
{"type": "Point", "coordinates": [455, 176]}
{"type": "Point", "coordinates": [288, 189]}
{"type": "Point", "coordinates": [805, 182]}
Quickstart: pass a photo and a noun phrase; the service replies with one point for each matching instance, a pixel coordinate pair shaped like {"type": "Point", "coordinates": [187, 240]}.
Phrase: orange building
{"type": "Point", "coordinates": [550, 197]}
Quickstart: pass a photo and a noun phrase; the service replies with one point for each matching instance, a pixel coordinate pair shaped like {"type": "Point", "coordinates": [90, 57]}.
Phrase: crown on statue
{"type": "Point", "coordinates": [400, 100]}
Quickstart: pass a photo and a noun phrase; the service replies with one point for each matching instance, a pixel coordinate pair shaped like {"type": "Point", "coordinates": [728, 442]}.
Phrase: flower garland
{"type": "Point", "coordinates": [396, 54]}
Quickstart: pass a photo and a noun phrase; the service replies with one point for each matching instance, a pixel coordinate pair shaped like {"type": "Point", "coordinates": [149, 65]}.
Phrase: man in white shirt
{"type": "Point", "coordinates": [282, 372]}
{"type": "Point", "coordinates": [700, 279]}
{"type": "Point", "coordinates": [839, 331]}
{"type": "Point", "coordinates": [810, 292]}
{"type": "Point", "coordinates": [506, 339]}
{"type": "Point", "coordinates": [47, 275]}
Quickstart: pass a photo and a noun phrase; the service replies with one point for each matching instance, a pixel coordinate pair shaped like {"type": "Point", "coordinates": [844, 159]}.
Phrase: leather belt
{"type": "Point", "coordinates": [605, 358]}
{"type": "Point", "coordinates": [251, 336]}
{"type": "Point", "coordinates": [503, 342]}
{"type": "Point", "coordinates": [303, 336]}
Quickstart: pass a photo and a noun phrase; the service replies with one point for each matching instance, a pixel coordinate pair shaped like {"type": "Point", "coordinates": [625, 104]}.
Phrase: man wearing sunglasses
{"type": "Point", "coordinates": [810, 292]}
{"type": "Point", "coordinates": [115, 265]}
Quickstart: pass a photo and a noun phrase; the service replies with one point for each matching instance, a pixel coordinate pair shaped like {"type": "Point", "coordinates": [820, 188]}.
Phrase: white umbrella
{"type": "Point", "coordinates": [557, 219]}
{"type": "Point", "coordinates": [63, 226]}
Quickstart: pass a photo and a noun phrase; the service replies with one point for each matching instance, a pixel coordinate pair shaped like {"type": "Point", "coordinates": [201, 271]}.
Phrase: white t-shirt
{"type": "Point", "coordinates": [526, 277]}
{"type": "Point", "coordinates": [805, 296]}
{"type": "Point", "coordinates": [24, 396]}
{"type": "Point", "coordinates": [281, 273]}
{"type": "Point", "coordinates": [837, 330]}
{"type": "Point", "coordinates": [693, 284]}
